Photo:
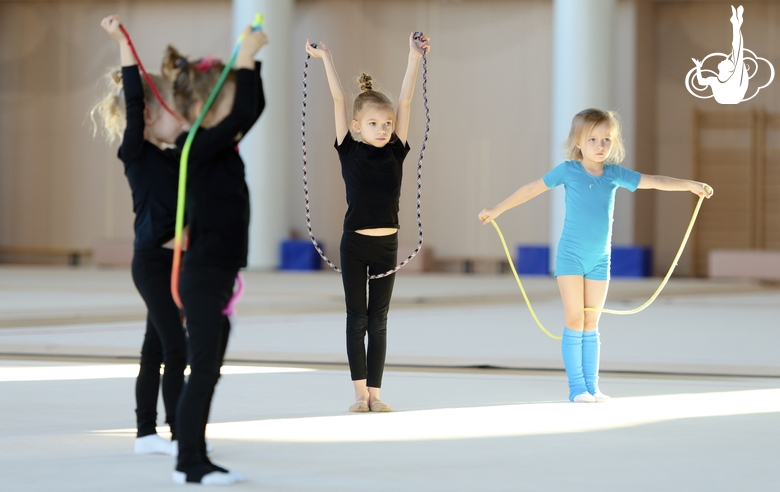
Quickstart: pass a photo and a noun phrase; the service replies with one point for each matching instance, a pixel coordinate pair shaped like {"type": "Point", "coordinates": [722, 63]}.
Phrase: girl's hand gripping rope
{"type": "Point", "coordinates": [111, 25]}
{"type": "Point", "coordinates": [488, 215]}
{"type": "Point", "coordinates": [702, 189]}
{"type": "Point", "coordinates": [419, 45]}
{"type": "Point", "coordinates": [317, 50]}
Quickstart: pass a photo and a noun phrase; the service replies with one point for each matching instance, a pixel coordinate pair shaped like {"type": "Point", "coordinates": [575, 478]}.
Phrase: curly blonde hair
{"type": "Point", "coordinates": [110, 109]}
{"type": "Point", "coordinates": [583, 122]}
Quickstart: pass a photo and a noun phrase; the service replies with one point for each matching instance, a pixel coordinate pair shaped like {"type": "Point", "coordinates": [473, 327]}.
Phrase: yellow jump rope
{"type": "Point", "coordinates": [608, 311]}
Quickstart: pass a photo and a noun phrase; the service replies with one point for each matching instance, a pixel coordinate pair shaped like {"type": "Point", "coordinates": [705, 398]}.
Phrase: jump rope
{"type": "Point", "coordinates": [183, 164]}
{"type": "Point", "coordinates": [417, 36]}
{"type": "Point", "coordinates": [603, 310]}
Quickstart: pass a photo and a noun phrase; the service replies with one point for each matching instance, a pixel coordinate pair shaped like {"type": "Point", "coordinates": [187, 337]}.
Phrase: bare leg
{"type": "Point", "coordinates": [572, 288]}
{"type": "Point", "coordinates": [595, 296]}
{"type": "Point", "coordinates": [373, 395]}
{"type": "Point", "coordinates": [361, 392]}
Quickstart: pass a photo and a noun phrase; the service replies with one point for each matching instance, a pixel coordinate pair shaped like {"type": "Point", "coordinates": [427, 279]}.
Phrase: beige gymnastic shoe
{"type": "Point", "coordinates": [380, 406]}
{"type": "Point", "coordinates": [359, 406]}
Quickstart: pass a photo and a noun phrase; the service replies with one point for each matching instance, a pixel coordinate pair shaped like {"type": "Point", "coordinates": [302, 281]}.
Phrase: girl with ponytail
{"type": "Point", "coordinates": [129, 112]}
{"type": "Point", "coordinates": [371, 146]}
{"type": "Point", "coordinates": [217, 209]}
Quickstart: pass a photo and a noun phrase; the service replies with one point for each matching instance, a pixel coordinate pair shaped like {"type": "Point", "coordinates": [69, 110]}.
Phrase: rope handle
{"type": "Point", "coordinates": [417, 35]}
{"type": "Point", "coordinates": [603, 310]}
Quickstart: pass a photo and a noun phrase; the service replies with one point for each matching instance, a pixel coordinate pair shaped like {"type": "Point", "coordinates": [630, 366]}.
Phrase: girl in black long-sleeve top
{"type": "Point", "coordinates": [151, 166]}
{"type": "Point", "coordinates": [217, 208]}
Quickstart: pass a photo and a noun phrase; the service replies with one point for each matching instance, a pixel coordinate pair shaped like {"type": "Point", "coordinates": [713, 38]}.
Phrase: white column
{"type": "Point", "coordinates": [582, 52]}
{"type": "Point", "coordinates": [265, 149]}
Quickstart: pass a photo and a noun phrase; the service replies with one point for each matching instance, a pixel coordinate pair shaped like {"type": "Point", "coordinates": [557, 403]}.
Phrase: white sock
{"type": "Point", "coordinates": [213, 478]}
{"type": "Point", "coordinates": [600, 397]}
{"type": "Point", "coordinates": [584, 398]}
{"type": "Point", "coordinates": [219, 478]}
{"type": "Point", "coordinates": [152, 444]}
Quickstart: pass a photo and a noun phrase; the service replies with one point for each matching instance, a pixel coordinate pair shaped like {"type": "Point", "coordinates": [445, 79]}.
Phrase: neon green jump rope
{"type": "Point", "coordinates": [185, 156]}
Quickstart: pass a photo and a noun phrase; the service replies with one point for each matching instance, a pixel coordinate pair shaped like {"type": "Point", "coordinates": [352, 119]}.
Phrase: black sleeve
{"type": "Point", "coordinates": [346, 145]}
{"type": "Point", "coordinates": [400, 150]}
{"type": "Point", "coordinates": [133, 140]}
{"type": "Point", "coordinates": [210, 142]}
{"type": "Point", "coordinates": [260, 103]}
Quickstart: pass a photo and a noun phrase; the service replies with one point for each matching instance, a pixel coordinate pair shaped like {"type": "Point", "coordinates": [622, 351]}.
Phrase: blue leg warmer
{"type": "Point", "coordinates": [571, 347]}
{"type": "Point", "coordinates": [590, 360]}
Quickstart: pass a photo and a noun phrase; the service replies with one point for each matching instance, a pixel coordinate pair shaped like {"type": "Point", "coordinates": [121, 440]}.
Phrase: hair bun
{"type": "Point", "coordinates": [365, 82]}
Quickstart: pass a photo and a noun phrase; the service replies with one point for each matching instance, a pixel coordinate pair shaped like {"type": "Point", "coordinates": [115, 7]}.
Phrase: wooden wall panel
{"type": "Point", "coordinates": [60, 188]}
{"type": "Point", "coordinates": [686, 30]}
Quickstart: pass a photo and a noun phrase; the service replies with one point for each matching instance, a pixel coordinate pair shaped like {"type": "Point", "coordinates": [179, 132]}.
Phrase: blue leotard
{"type": "Point", "coordinates": [586, 242]}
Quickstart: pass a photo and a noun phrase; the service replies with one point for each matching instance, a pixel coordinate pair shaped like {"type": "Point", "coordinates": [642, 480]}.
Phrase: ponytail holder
{"type": "Point", "coordinates": [180, 63]}
{"type": "Point", "coordinates": [207, 63]}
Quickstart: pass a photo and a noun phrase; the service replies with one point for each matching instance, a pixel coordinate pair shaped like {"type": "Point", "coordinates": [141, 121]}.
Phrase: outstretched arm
{"type": "Point", "coordinates": [417, 48]}
{"type": "Point", "coordinates": [525, 193]}
{"type": "Point", "coordinates": [339, 99]}
{"type": "Point", "coordinates": [665, 183]}
{"type": "Point", "coordinates": [111, 26]}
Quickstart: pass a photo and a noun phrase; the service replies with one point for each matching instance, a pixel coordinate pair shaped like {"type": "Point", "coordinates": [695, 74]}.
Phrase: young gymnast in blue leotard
{"type": "Point", "coordinates": [590, 178]}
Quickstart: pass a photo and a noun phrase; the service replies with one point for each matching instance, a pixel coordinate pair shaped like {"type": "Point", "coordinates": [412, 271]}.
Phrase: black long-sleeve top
{"type": "Point", "coordinates": [153, 173]}
{"type": "Point", "coordinates": [217, 202]}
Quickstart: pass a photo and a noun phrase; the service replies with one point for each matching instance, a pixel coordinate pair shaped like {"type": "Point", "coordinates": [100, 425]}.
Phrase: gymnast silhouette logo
{"type": "Point", "coordinates": [735, 70]}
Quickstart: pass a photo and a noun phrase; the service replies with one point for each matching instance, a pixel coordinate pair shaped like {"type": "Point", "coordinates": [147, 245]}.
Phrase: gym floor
{"type": "Point", "coordinates": [478, 390]}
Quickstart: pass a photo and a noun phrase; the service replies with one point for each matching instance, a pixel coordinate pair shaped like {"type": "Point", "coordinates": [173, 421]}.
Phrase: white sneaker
{"type": "Point", "coordinates": [584, 398]}
{"type": "Point", "coordinates": [153, 444]}
{"type": "Point", "coordinates": [239, 478]}
{"type": "Point", "coordinates": [213, 478]}
{"type": "Point", "coordinates": [600, 397]}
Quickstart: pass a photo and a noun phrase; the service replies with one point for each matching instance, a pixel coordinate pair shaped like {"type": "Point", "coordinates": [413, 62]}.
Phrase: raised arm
{"type": "Point", "coordinates": [210, 141]}
{"type": "Point", "coordinates": [133, 136]}
{"type": "Point", "coordinates": [525, 193]}
{"type": "Point", "coordinates": [111, 26]}
{"type": "Point", "coordinates": [665, 183]}
{"type": "Point", "coordinates": [339, 99]}
{"type": "Point", "coordinates": [417, 48]}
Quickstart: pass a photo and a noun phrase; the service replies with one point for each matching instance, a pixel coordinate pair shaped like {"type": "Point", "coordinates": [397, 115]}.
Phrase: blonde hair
{"type": "Point", "coordinates": [192, 82]}
{"type": "Point", "coordinates": [110, 109]}
{"type": "Point", "coordinates": [583, 122]}
{"type": "Point", "coordinates": [368, 97]}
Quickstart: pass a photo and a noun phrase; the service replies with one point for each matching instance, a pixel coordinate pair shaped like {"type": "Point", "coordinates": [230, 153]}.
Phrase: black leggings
{"type": "Point", "coordinates": [164, 341]}
{"type": "Point", "coordinates": [375, 254]}
{"type": "Point", "coordinates": [205, 291]}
